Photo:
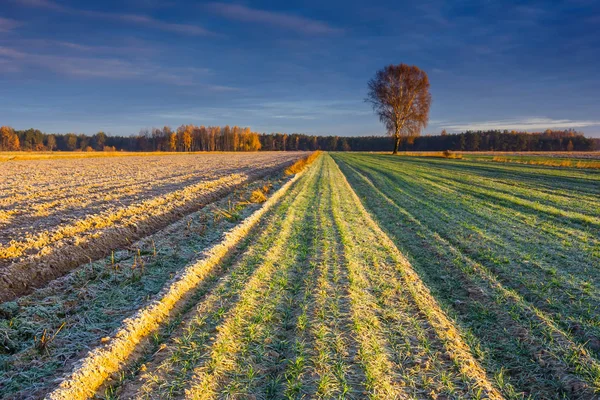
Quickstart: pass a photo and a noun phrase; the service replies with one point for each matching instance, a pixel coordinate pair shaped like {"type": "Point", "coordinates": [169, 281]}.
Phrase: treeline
{"type": "Point", "coordinates": [184, 138]}
{"type": "Point", "coordinates": [215, 138]}
{"type": "Point", "coordinates": [549, 140]}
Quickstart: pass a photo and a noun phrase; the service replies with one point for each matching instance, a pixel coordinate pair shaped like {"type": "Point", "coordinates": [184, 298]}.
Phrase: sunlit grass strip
{"type": "Point", "coordinates": [549, 162]}
{"type": "Point", "coordinates": [168, 377]}
{"type": "Point", "coordinates": [373, 353]}
{"type": "Point", "coordinates": [104, 361]}
{"type": "Point", "coordinates": [229, 342]}
{"type": "Point", "coordinates": [273, 331]}
{"type": "Point", "coordinates": [418, 356]}
{"type": "Point", "coordinates": [458, 350]}
{"type": "Point", "coordinates": [330, 350]}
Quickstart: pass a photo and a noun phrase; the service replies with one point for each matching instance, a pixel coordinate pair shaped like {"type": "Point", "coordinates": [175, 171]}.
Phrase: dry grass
{"type": "Point", "coordinates": [553, 154]}
{"type": "Point", "coordinates": [550, 162]}
{"type": "Point", "coordinates": [302, 163]}
{"type": "Point", "coordinates": [55, 155]}
{"type": "Point", "coordinates": [258, 196]}
{"type": "Point", "coordinates": [436, 154]}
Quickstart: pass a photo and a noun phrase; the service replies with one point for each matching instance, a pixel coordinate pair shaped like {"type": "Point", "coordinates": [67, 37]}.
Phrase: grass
{"type": "Point", "coordinates": [549, 161]}
{"type": "Point", "coordinates": [52, 155]}
{"type": "Point", "coordinates": [582, 160]}
{"type": "Point", "coordinates": [80, 310]}
{"type": "Point", "coordinates": [302, 163]}
{"type": "Point", "coordinates": [435, 154]}
{"type": "Point", "coordinates": [378, 277]}
{"type": "Point", "coordinates": [509, 251]}
{"type": "Point", "coordinates": [300, 312]}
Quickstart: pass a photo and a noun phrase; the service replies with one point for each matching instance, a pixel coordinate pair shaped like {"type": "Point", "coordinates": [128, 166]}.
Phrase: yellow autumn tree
{"type": "Point", "coordinates": [9, 141]}
{"type": "Point", "coordinates": [187, 137]}
{"type": "Point", "coordinates": [173, 141]}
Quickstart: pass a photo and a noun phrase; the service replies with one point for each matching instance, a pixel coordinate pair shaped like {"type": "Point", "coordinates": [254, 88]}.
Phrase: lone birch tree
{"type": "Point", "coordinates": [400, 97]}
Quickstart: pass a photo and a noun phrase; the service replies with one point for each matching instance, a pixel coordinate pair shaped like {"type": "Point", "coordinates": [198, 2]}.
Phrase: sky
{"type": "Point", "coordinates": [295, 66]}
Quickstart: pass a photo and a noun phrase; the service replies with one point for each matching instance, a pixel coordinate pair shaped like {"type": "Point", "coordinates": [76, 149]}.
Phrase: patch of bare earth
{"type": "Point", "coordinates": [58, 214]}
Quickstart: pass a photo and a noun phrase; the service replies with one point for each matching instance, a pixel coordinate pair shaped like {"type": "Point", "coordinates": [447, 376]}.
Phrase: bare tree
{"type": "Point", "coordinates": [400, 97]}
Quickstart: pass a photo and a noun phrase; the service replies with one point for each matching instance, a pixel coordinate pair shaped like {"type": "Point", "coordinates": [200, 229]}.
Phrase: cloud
{"type": "Point", "coordinates": [8, 24]}
{"type": "Point", "coordinates": [222, 88]}
{"type": "Point", "coordinates": [47, 4]}
{"type": "Point", "coordinates": [145, 20]}
{"type": "Point", "coordinates": [285, 21]}
{"type": "Point", "coordinates": [525, 124]}
{"type": "Point", "coordinates": [129, 47]}
{"type": "Point", "coordinates": [138, 19]}
{"type": "Point", "coordinates": [107, 68]}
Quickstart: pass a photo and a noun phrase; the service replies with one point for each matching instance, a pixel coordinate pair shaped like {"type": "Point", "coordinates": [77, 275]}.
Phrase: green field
{"type": "Point", "coordinates": [511, 252]}
{"type": "Point", "coordinates": [363, 276]}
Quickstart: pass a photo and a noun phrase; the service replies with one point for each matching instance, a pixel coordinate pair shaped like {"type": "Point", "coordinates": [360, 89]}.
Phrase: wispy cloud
{"type": "Point", "coordinates": [129, 47]}
{"type": "Point", "coordinates": [138, 19]}
{"type": "Point", "coordinates": [107, 68]}
{"type": "Point", "coordinates": [47, 4]}
{"type": "Point", "coordinates": [280, 20]}
{"type": "Point", "coordinates": [8, 24]}
{"type": "Point", "coordinates": [524, 124]}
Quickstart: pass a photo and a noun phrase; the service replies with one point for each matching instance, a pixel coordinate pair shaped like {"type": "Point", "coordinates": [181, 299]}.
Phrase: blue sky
{"type": "Point", "coordinates": [295, 66]}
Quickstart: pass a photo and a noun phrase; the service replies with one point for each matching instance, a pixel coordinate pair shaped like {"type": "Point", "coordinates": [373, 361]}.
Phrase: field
{"type": "Point", "coordinates": [57, 214]}
{"type": "Point", "coordinates": [361, 276]}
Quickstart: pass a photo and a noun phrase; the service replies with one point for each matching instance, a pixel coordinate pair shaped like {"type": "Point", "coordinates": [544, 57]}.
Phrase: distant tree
{"type": "Point", "coordinates": [71, 141]}
{"type": "Point", "coordinates": [99, 140]}
{"type": "Point", "coordinates": [51, 142]}
{"type": "Point", "coordinates": [400, 97]}
{"type": "Point", "coordinates": [463, 142]}
{"type": "Point", "coordinates": [284, 142]}
{"type": "Point", "coordinates": [570, 146]}
{"type": "Point", "coordinates": [187, 138]}
{"type": "Point", "coordinates": [345, 145]}
{"type": "Point", "coordinates": [173, 141]}
{"type": "Point", "coordinates": [333, 143]}
{"type": "Point", "coordinates": [166, 138]}
{"type": "Point", "coordinates": [444, 133]}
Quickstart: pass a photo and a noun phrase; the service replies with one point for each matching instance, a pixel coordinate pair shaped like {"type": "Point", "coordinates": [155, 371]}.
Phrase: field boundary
{"type": "Point", "coordinates": [100, 363]}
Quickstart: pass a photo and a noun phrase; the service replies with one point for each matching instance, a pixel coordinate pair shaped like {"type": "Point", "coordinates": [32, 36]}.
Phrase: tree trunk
{"type": "Point", "coordinates": [396, 144]}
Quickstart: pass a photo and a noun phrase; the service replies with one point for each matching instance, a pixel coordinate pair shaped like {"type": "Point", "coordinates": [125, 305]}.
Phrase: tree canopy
{"type": "Point", "coordinates": [400, 97]}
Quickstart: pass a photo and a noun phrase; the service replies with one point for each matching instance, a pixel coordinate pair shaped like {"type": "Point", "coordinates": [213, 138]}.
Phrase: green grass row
{"type": "Point", "coordinates": [511, 251]}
